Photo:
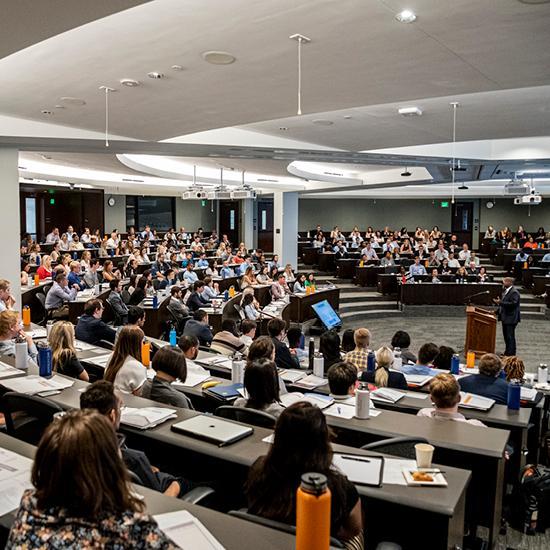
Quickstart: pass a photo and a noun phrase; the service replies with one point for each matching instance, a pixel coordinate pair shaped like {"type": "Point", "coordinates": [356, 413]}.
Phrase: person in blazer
{"type": "Point", "coordinates": [508, 313]}
{"type": "Point", "coordinates": [115, 299]}
{"type": "Point", "coordinates": [284, 359]}
{"type": "Point", "coordinates": [198, 327]}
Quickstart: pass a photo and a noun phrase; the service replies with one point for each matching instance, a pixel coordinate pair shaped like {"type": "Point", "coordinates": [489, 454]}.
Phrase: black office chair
{"type": "Point", "coordinates": [397, 446]}
{"type": "Point", "coordinates": [34, 414]}
{"type": "Point", "coordinates": [106, 344]}
{"type": "Point", "coordinates": [247, 416]}
{"type": "Point", "coordinates": [42, 300]}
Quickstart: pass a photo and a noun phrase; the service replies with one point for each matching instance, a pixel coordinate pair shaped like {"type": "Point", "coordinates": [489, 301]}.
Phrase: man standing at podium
{"type": "Point", "coordinates": [508, 313]}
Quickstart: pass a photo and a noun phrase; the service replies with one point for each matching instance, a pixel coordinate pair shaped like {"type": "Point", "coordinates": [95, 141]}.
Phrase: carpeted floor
{"type": "Point", "coordinates": [531, 335]}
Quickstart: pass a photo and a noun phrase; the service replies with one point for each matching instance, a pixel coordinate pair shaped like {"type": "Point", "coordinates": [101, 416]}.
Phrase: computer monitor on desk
{"type": "Point", "coordinates": [326, 314]}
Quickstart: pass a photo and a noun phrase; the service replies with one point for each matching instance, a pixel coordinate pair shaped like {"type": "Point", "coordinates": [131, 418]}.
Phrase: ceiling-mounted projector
{"type": "Point", "coordinates": [528, 199]}
{"type": "Point", "coordinates": [410, 111]}
{"type": "Point", "coordinates": [219, 195]}
{"type": "Point", "coordinates": [516, 188]}
{"type": "Point", "coordinates": [194, 194]}
{"type": "Point", "coordinates": [243, 194]}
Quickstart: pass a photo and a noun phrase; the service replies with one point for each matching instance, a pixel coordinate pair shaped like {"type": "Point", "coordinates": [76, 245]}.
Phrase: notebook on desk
{"type": "Point", "coordinates": [213, 430]}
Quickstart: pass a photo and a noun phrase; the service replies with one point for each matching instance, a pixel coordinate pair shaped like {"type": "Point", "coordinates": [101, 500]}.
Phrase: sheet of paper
{"type": "Point", "coordinates": [15, 478]}
{"type": "Point", "coordinates": [364, 470]}
{"type": "Point", "coordinates": [416, 395]}
{"type": "Point", "coordinates": [38, 332]}
{"type": "Point", "coordinates": [311, 382]}
{"type": "Point", "coordinates": [393, 470]}
{"type": "Point", "coordinates": [192, 379]}
{"type": "Point", "coordinates": [148, 417]}
{"type": "Point", "coordinates": [99, 360]}
{"type": "Point", "coordinates": [36, 384]}
{"type": "Point", "coordinates": [528, 394]}
{"type": "Point", "coordinates": [417, 379]}
{"type": "Point", "coordinates": [7, 370]}
{"type": "Point", "coordinates": [269, 439]}
{"type": "Point", "coordinates": [79, 345]}
{"type": "Point", "coordinates": [340, 411]}
{"type": "Point", "coordinates": [187, 531]}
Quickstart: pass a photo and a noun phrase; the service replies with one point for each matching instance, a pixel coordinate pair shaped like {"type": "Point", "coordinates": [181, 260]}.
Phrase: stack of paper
{"type": "Point", "coordinates": [186, 531]}
{"type": "Point", "coordinates": [528, 394]}
{"type": "Point", "coordinates": [311, 382]}
{"type": "Point", "coordinates": [316, 399]}
{"type": "Point", "coordinates": [7, 370]}
{"type": "Point", "coordinates": [417, 379]}
{"type": "Point", "coordinates": [386, 394]}
{"type": "Point", "coordinates": [79, 345]}
{"type": "Point", "coordinates": [15, 478]}
{"type": "Point", "coordinates": [291, 376]}
{"type": "Point", "coordinates": [99, 360]}
{"type": "Point", "coordinates": [38, 332]}
{"type": "Point", "coordinates": [147, 417]}
{"type": "Point", "coordinates": [35, 385]}
{"type": "Point", "coordinates": [218, 361]}
{"type": "Point", "coordinates": [472, 401]}
{"type": "Point", "coordinates": [193, 379]}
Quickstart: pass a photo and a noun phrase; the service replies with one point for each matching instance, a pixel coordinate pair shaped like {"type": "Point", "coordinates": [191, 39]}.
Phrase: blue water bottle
{"type": "Point", "coordinates": [455, 364]}
{"type": "Point", "coordinates": [371, 362]}
{"type": "Point", "coordinates": [75, 255]}
{"type": "Point", "coordinates": [173, 336]}
{"type": "Point", "coordinates": [112, 252]}
{"type": "Point", "coordinates": [44, 360]}
{"type": "Point", "coordinates": [226, 295]}
{"type": "Point", "coordinates": [514, 395]}
{"type": "Point", "coordinates": [155, 301]}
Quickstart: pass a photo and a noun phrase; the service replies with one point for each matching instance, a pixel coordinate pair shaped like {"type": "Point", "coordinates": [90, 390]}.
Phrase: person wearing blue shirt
{"type": "Point", "coordinates": [417, 268]}
{"type": "Point", "coordinates": [74, 276]}
{"type": "Point", "coordinates": [226, 271]}
{"type": "Point", "coordinates": [203, 262]}
{"type": "Point", "coordinates": [522, 256]}
{"type": "Point", "coordinates": [426, 355]}
{"type": "Point", "coordinates": [211, 290]}
{"type": "Point", "coordinates": [546, 257]}
{"type": "Point", "coordinates": [488, 382]}
{"type": "Point", "coordinates": [190, 276]}
{"type": "Point", "coordinates": [241, 270]}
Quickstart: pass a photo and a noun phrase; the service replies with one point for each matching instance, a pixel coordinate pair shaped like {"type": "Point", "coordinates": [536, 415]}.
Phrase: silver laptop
{"type": "Point", "coordinates": [213, 429]}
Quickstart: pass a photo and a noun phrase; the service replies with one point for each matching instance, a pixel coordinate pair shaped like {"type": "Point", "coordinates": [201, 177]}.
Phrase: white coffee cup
{"type": "Point", "coordinates": [424, 454]}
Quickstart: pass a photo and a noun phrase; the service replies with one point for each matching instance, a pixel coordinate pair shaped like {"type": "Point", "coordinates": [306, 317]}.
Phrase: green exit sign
{"type": "Point", "coordinates": [444, 204]}
{"type": "Point", "coordinates": [203, 203]}
{"type": "Point", "coordinates": [52, 201]}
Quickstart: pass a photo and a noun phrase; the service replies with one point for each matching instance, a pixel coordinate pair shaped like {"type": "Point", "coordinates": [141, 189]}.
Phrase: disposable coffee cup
{"type": "Point", "coordinates": [424, 454]}
{"type": "Point", "coordinates": [530, 377]}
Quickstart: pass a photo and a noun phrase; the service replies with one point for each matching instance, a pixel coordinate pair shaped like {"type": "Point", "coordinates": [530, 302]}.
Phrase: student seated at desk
{"type": "Point", "coordinates": [435, 278]}
{"type": "Point", "coordinates": [329, 347]}
{"type": "Point", "coordinates": [342, 380]}
{"type": "Point", "coordinates": [169, 364]}
{"type": "Point", "coordinates": [445, 396]}
{"type": "Point", "coordinates": [262, 384]}
{"type": "Point", "coordinates": [211, 289]}
{"type": "Point", "coordinates": [81, 492]}
{"type": "Point", "coordinates": [116, 302]}
{"type": "Point", "coordinates": [7, 301]}
{"type": "Point", "coordinates": [227, 340]}
{"type": "Point", "coordinates": [383, 377]}
{"type": "Point", "coordinates": [488, 382]}
{"type": "Point", "coordinates": [301, 445]}
{"type": "Point", "coordinates": [248, 278]}
{"type": "Point", "coordinates": [74, 276]}
{"type": "Point", "coordinates": [140, 292]}
{"type": "Point", "coordinates": [125, 369]}
{"type": "Point", "coordinates": [426, 355]}
{"type": "Point", "coordinates": [402, 340]}
{"type": "Point", "coordinates": [195, 300]}
{"type": "Point", "coordinates": [295, 339]}
{"type": "Point", "coordinates": [198, 327]}
{"type": "Point", "coordinates": [189, 276]}
{"type": "Point", "coordinates": [90, 277]}
{"type": "Point", "coordinates": [59, 294]}
{"type": "Point", "coordinates": [279, 289]}
{"type": "Point", "coordinates": [514, 368]}
{"type": "Point", "coordinates": [443, 358]}
{"type": "Point", "coordinates": [299, 285]}
{"type": "Point", "coordinates": [248, 332]}
{"type": "Point", "coordinates": [11, 328]}
{"type": "Point", "coordinates": [276, 329]}
{"type": "Point", "coordinates": [64, 359]}
{"type": "Point", "coordinates": [90, 327]}
{"type": "Point", "coordinates": [248, 305]}
{"type": "Point", "coordinates": [44, 271]}
{"type": "Point", "coordinates": [358, 356]}
{"type": "Point", "coordinates": [263, 276]}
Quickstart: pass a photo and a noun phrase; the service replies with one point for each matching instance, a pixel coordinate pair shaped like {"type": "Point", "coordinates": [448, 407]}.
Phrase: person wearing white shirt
{"type": "Point", "coordinates": [369, 252]}
{"type": "Point", "coordinates": [248, 330]}
{"type": "Point", "coordinates": [70, 232]}
{"type": "Point", "coordinates": [441, 254]}
{"type": "Point", "coordinates": [474, 258]}
{"type": "Point", "coordinates": [64, 243]}
{"type": "Point", "coordinates": [53, 237]}
{"type": "Point", "coordinates": [6, 299]}
{"type": "Point", "coordinates": [86, 236]}
{"type": "Point", "coordinates": [113, 241]}
{"type": "Point", "coordinates": [211, 290]}
{"type": "Point", "coordinates": [125, 369]}
{"type": "Point", "coordinates": [453, 262]}
{"type": "Point", "coordinates": [464, 254]}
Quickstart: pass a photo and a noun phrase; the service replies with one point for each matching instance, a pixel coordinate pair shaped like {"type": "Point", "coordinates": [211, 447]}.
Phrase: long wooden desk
{"type": "Point", "coordinates": [448, 293]}
{"type": "Point", "coordinates": [299, 308]}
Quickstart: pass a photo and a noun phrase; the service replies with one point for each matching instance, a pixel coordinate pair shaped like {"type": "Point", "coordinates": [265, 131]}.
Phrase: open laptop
{"type": "Point", "coordinates": [213, 429]}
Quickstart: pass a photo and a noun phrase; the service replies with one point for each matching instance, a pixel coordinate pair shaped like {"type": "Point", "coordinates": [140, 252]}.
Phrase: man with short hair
{"type": "Point", "coordinates": [177, 307]}
{"type": "Point", "coordinates": [53, 237]}
{"type": "Point", "coordinates": [509, 314]}
{"type": "Point", "coordinates": [202, 262]}
{"type": "Point", "coordinates": [86, 237]}
{"type": "Point", "coordinates": [226, 272]}
{"type": "Point", "coordinates": [358, 357]}
{"type": "Point", "coordinates": [189, 344]}
{"type": "Point", "coordinates": [441, 254]}
{"type": "Point", "coordinates": [90, 327]}
{"type": "Point", "coordinates": [369, 252]}
{"type": "Point", "coordinates": [198, 326]}
{"type": "Point", "coordinates": [74, 276]}
{"type": "Point", "coordinates": [276, 329]}
{"type": "Point", "coordinates": [58, 295]}
{"type": "Point", "coordinates": [100, 396]}
{"type": "Point", "coordinates": [426, 355]}
{"type": "Point", "coordinates": [248, 331]}
{"type": "Point", "coordinates": [464, 254]}
{"type": "Point", "coordinates": [136, 316]}
{"type": "Point", "coordinates": [453, 262]}
{"type": "Point", "coordinates": [7, 301]}
{"type": "Point", "coordinates": [417, 268]}
{"type": "Point", "coordinates": [342, 380]}
{"type": "Point", "coordinates": [488, 382]}
{"type": "Point", "coordinates": [195, 300]}
{"type": "Point", "coordinates": [90, 275]}
{"type": "Point", "coordinates": [279, 289]}
{"type": "Point", "coordinates": [116, 302]}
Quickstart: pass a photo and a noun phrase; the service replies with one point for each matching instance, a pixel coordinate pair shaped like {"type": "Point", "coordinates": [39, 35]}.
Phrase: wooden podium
{"type": "Point", "coordinates": [481, 329]}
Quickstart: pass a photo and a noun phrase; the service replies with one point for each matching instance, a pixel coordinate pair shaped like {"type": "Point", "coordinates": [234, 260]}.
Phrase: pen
{"type": "Point", "coordinates": [357, 459]}
{"type": "Point", "coordinates": [339, 410]}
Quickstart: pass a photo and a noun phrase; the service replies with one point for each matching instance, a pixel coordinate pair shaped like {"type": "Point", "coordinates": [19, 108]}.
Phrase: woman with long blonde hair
{"type": "Point", "coordinates": [64, 359]}
{"type": "Point", "coordinates": [125, 369]}
{"type": "Point", "coordinates": [382, 376]}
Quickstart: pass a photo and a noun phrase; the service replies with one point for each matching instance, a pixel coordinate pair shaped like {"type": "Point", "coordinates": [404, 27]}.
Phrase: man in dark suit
{"type": "Point", "coordinates": [198, 327]}
{"type": "Point", "coordinates": [283, 358]}
{"type": "Point", "coordinates": [195, 300]}
{"type": "Point", "coordinates": [508, 313]}
{"type": "Point", "coordinates": [115, 299]}
{"type": "Point", "coordinates": [90, 327]}
{"type": "Point", "coordinates": [488, 382]}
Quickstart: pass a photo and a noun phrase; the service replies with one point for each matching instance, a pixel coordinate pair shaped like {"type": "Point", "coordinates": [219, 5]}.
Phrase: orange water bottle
{"type": "Point", "coordinates": [146, 353]}
{"type": "Point", "coordinates": [36, 280]}
{"type": "Point", "coordinates": [525, 265]}
{"type": "Point", "coordinates": [27, 316]}
{"type": "Point", "coordinates": [231, 291]}
{"type": "Point", "coordinates": [313, 513]}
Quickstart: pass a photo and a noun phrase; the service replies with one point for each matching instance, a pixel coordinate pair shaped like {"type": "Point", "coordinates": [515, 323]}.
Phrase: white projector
{"type": "Point", "coordinates": [196, 194]}
{"type": "Point", "coordinates": [219, 195]}
{"type": "Point", "coordinates": [516, 189]}
{"type": "Point", "coordinates": [243, 194]}
{"type": "Point", "coordinates": [528, 199]}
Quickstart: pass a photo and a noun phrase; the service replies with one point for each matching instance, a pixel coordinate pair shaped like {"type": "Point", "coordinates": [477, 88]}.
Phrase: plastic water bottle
{"type": "Point", "coordinates": [313, 500]}
{"type": "Point", "coordinates": [371, 362]}
{"type": "Point", "coordinates": [173, 337]}
{"type": "Point", "coordinates": [455, 364]}
{"type": "Point", "coordinates": [543, 374]}
{"type": "Point", "coordinates": [237, 369]}
{"type": "Point", "coordinates": [362, 402]}
{"type": "Point", "coordinates": [514, 395]}
{"type": "Point", "coordinates": [44, 360]}
{"type": "Point", "coordinates": [311, 352]}
{"type": "Point", "coordinates": [319, 364]}
{"type": "Point", "coordinates": [397, 358]}
{"type": "Point", "coordinates": [155, 301]}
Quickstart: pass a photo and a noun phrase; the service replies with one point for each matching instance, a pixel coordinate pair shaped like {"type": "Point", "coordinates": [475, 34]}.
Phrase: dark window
{"type": "Point", "coordinates": [158, 212]}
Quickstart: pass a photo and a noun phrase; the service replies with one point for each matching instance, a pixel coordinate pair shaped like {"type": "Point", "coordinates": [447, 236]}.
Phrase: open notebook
{"type": "Point", "coordinates": [473, 401]}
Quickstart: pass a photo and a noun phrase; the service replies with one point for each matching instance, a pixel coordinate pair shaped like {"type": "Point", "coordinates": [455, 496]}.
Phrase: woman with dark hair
{"type": "Point", "coordinates": [170, 365]}
{"type": "Point", "coordinates": [82, 494]}
{"type": "Point", "coordinates": [248, 305]}
{"type": "Point", "coordinates": [348, 343]}
{"type": "Point", "coordinates": [262, 384]}
{"type": "Point", "coordinates": [140, 292]}
{"type": "Point", "coordinates": [443, 358]}
{"type": "Point", "coordinates": [125, 369]}
{"type": "Point", "coordinates": [310, 281]}
{"type": "Point", "coordinates": [301, 445]}
{"type": "Point", "coordinates": [402, 340]}
{"type": "Point", "coordinates": [329, 347]}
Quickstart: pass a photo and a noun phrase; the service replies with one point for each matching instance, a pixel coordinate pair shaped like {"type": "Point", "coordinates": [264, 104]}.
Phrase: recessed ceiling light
{"type": "Point", "coordinates": [406, 16]}
{"type": "Point", "coordinates": [409, 111]}
{"type": "Point", "coordinates": [283, 128]}
{"type": "Point", "coordinates": [156, 75]}
{"type": "Point", "coordinates": [178, 68]}
{"type": "Point", "coordinates": [46, 112]}
{"type": "Point", "coordinates": [130, 82]}
{"type": "Point", "coordinates": [323, 122]}
{"type": "Point", "coordinates": [74, 101]}
{"type": "Point", "coordinates": [218, 58]}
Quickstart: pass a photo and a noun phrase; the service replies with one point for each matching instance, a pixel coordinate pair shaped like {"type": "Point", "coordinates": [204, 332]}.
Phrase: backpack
{"type": "Point", "coordinates": [530, 510]}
